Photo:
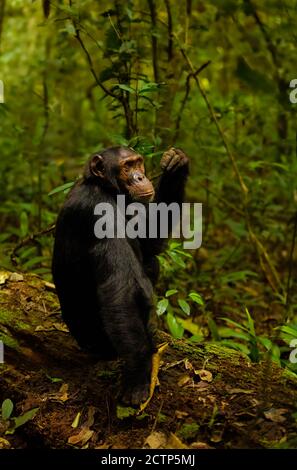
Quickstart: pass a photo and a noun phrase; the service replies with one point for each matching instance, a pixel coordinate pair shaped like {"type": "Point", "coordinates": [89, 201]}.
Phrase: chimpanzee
{"type": "Point", "coordinates": [105, 285]}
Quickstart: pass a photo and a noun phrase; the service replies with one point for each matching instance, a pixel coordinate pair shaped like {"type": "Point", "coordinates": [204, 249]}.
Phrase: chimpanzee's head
{"type": "Point", "coordinates": [122, 170]}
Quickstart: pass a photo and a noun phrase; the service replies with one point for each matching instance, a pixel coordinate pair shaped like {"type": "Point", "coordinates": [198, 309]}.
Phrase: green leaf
{"type": "Point", "coordinates": [213, 329]}
{"type": "Point", "coordinates": [292, 331]}
{"type": "Point", "coordinates": [149, 87]}
{"type": "Point", "coordinates": [75, 422]}
{"type": "Point", "coordinates": [175, 328]}
{"type": "Point", "coordinates": [24, 224]}
{"type": "Point", "coordinates": [177, 259]}
{"type": "Point", "coordinates": [126, 88]}
{"type": "Point", "coordinates": [234, 345]}
{"type": "Point", "coordinates": [184, 306]}
{"type": "Point", "coordinates": [234, 323]}
{"type": "Point", "coordinates": [162, 306]}
{"type": "Point", "coordinates": [54, 379]}
{"type": "Point", "coordinates": [21, 420]}
{"type": "Point", "coordinates": [196, 339]}
{"type": "Point", "coordinates": [59, 189]}
{"type": "Point", "coordinates": [193, 328]}
{"type": "Point", "coordinates": [170, 292]}
{"type": "Point", "coordinates": [251, 324]}
{"type": "Point", "coordinates": [196, 298]}
{"type": "Point", "coordinates": [125, 411]}
{"type": "Point", "coordinates": [229, 333]}
{"type": "Point", "coordinates": [7, 408]}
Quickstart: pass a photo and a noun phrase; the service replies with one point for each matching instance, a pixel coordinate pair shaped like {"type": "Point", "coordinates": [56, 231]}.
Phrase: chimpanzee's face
{"type": "Point", "coordinates": [127, 168]}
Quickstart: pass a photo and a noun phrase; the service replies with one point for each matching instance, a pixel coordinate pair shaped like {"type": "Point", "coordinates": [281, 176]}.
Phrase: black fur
{"type": "Point", "coordinates": [105, 286]}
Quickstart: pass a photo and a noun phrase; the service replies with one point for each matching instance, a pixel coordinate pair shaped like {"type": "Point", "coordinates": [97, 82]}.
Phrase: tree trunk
{"type": "Point", "coordinates": [209, 396]}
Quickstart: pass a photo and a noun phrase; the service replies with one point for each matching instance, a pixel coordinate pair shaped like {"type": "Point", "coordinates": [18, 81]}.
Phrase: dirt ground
{"type": "Point", "coordinates": [208, 396]}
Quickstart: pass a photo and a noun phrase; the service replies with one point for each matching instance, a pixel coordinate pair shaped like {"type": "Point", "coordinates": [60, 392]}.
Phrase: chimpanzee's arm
{"type": "Point", "coordinates": [170, 188]}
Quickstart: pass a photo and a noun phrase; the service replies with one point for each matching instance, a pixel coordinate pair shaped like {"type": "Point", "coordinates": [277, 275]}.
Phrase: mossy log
{"type": "Point", "coordinates": [208, 396]}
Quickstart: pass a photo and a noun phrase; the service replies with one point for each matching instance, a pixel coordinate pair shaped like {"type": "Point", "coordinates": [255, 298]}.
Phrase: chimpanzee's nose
{"type": "Point", "coordinates": [138, 177]}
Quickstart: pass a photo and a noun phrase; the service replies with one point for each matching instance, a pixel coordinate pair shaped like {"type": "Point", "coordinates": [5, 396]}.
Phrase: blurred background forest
{"type": "Point", "coordinates": [211, 77]}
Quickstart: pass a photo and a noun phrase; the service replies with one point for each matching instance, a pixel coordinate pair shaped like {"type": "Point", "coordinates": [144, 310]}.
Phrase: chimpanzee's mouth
{"type": "Point", "coordinates": [146, 197]}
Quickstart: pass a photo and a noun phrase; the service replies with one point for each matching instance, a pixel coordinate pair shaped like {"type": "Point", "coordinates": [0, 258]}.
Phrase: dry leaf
{"type": "Point", "coordinates": [63, 393]}
{"type": "Point", "coordinates": [154, 375]}
{"type": "Point", "coordinates": [156, 440]}
{"type": "Point", "coordinates": [4, 275]}
{"type": "Point", "coordinates": [276, 415]}
{"type": "Point", "coordinates": [188, 365]}
{"type": "Point", "coordinates": [4, 444]}
{"type": "Point", "coordinates": [61, 327]}
{"type": "Point", "coordinates": [82, 437]}
{"type": "Point", "coordinates": [200, 445]}
{"type": "Point", "coordinates": [175, 443]}
{"type": "Point", "coordinates": [238, 390]}
{"type": "Point", "coordinates": [181, 414]}
{"type": "Point", "coordinates": [16, 277]}
{"type": "Point", "coordinates": [183, 380]}
{"type": "Point", "coordinates": [204, 375]}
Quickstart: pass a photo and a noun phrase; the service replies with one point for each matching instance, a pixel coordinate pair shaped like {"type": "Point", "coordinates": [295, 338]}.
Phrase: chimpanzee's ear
{"type": "Point", "coordinates": [97, 166]}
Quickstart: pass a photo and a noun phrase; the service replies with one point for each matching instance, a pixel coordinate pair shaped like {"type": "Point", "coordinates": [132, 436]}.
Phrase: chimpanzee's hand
{"type": "Point", "coordinates": [173, 160]}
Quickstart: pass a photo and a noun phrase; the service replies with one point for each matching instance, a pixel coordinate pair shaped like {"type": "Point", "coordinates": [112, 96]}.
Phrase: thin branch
{"type": "Point", "coordinates": [293, 243]}
{"type": "Point", "coordinates": [30, 239]}
{"type": "Point", "coordinates": [264, 259]}
{"type": "Point", "coordinates": [170, 35]}
{"type": "Point", "coordinates": [185, 98]}
{"type": "Point", "coordinates": [153, 14]}
{"type": "Point", "coordinates": [2, 11]}
{"type": "Point", "coordinates": [91, 65]}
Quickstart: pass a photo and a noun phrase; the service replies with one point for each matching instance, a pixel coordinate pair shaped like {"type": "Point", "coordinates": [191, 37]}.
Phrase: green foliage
{"type": "Point", "coordinates": [124, 412]}
{"type": "Point", "coordinates": [10, 422]}
{"type": "Point", "coordinates": [66, 99]}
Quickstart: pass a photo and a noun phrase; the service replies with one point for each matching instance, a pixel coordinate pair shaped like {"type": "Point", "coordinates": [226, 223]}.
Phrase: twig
{"type": "Point", "coordinates": [153, 14]}
{"type": "Point", "coordinates": [30, 239]}
{"type": "Point", "coordinates": [91, 65]}
{"type": "Point", "coordinates": [185, 98]}
{"type": "Point", "coordinates": [271, 276]}
{"type": "Point", "coordinates": [293, 243]}
{"type": "Point", "coordinates": [170, 35]}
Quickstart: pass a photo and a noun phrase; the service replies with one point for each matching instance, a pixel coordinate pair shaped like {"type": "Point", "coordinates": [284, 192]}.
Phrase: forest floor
{"type": "Point", "coordinates": [209, 396]}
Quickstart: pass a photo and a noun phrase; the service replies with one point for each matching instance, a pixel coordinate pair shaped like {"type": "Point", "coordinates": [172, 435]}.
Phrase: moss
{"type": "Point", "coordinates": [188, 431]}
{"type": "Point", "coordinates": [10, 318]}
{"type": "Point", "coordinates": [9, 342]}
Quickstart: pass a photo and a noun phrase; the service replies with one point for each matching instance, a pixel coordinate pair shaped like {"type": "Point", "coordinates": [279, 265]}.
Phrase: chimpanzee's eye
{"type": "Point", "coordinates": [130, 163]}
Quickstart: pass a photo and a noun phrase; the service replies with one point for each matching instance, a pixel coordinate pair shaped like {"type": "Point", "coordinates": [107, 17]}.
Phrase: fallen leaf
{"type": "Point", "coordinates": [181, 414]}
{"type": "Point", "coordinates": [75, 422]}
{"type": "Point", "coordinates": [204, 375]}
{"type": "Point", "coordinates": [82, 437]}
{"type": "Point", "coordinates": [16, 277]}
{"type": "Point", "coordinates": [4, 444]}
{"type": "Point", "coordinates": [156, 440]}
{"type": "Point", "coordinates": [4, 275]}
{"type": "Point", "coordinates": [61, 327]}
{"type": "Point", "coordinates": [63, 393]}
{"type": "Point", "coordinates": [200, 445]}
{"type": "Point", "coordinates": [276, 415]}
{"type": "Point", "coordinates": [91, 414]}
{"type": "Point", "coordinates": [188, 365]}
{"type": "Point", "coordinates": [183, 380]}
{"type": "Point", "coordinates": [154, 375]}
{"type": "Point", "coordinates": [234, 391]}
{"type": "Point", "coordinates": [175, 443]}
